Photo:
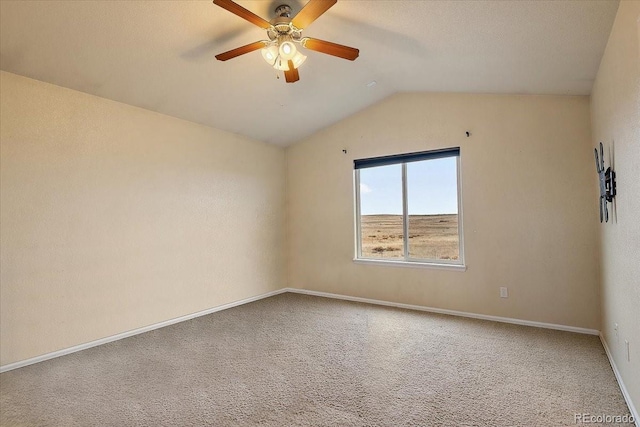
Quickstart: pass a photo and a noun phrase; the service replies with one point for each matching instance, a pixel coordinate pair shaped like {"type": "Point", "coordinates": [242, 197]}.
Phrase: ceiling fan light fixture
{"type": "Point", "coordinates": [282, 64]}
{"type": "Point", "coordinates": [298, 59]}
{"type": "Point", "coordinates": [270, 54]}
{"type": "Point", "coordinates": [287, 50]}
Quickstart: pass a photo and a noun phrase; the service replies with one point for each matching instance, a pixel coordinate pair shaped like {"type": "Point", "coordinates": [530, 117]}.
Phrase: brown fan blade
{"type": "Point", "coordinates": [291, 75]}
{"type": "Point", "coordinates": [311, 11]}
{"type": "Point", "coordinates": [329, 48]}
{"type": "Point", "coordinates": [242, 13]}
{"type": "Point", "coordinates": [240, 51]}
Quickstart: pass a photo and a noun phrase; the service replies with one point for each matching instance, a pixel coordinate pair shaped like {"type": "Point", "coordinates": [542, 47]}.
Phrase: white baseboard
{"type": "Point", "coordinates": [623, 389]}
{"type": "Point", "coordinates": [127, 334]}
{"type": "Point", "coordinates": [52, 355]}
{"type": "Point", "coordinates": [449, 312]}
{"type": "Point", "coordinates": [65, 351]}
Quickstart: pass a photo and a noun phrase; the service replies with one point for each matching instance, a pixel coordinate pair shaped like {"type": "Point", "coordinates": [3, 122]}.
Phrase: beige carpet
{"type": "Point", "coordinates": [294, 360]}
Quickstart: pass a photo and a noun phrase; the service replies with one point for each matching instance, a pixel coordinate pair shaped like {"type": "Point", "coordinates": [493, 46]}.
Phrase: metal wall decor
{"type": "Point", "coordinates": [607, 184]}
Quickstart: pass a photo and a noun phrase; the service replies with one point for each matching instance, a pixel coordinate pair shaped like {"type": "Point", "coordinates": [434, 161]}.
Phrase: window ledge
{"type": "Point", "coordinates": [411, 264]}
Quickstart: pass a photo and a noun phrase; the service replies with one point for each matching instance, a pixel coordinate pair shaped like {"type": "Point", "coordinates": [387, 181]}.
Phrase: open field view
{"type": "Point", "coordinates": [430, 236]}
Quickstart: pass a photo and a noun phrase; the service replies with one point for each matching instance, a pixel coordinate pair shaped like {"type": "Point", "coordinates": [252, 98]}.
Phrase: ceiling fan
{"type": "Point", "coordinates": [284, 33]}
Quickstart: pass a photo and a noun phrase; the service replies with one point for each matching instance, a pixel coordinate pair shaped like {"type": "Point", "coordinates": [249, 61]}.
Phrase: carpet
{"type": "Point", "coordinates": [296, 360]}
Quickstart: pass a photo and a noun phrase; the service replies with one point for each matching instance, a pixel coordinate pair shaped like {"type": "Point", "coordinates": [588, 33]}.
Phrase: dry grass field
{"type": "Point", "coordinates": [430, 236]}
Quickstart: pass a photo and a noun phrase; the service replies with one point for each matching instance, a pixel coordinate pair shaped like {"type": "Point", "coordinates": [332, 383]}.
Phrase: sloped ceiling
{"type": "Point", "coordinates": [159, 55]}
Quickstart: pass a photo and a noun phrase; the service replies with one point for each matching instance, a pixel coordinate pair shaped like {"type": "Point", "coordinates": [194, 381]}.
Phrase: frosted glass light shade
{"type": "Point", "coordinates": [270, 54]}
{"type": "Point", "coordinates": [282, 64]}
{"type": "Point", "coordinates": [287, 50]}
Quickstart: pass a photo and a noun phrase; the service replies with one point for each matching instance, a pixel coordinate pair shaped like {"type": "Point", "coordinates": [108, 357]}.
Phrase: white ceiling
{"type": "Point", "coordinates": [159, 55]}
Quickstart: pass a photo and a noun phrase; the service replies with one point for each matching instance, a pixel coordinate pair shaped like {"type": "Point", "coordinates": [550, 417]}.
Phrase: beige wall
{"type": "Point", "coordinates": [530, 214]}
{"type": "Point", "coordinates": [114, 218]}
{"type": "Point", "coordinates": [615, 115]}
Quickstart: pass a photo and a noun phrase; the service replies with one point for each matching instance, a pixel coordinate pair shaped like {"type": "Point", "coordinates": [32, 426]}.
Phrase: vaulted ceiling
{"type": "Point", "coordinates": [159, 55]}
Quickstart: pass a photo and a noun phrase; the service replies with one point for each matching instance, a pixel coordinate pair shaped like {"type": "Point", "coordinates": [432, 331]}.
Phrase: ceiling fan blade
{"type": "Point", "coordinates": [291, 75]}
{"type": "Point", "coordinates": [242, 13]}
{"type": "Point", "coordinates": [240, 50]}
{"type": "Point", "coordinates": [329, 48]}
{"type": "Point", "coordinates": [311, 11]}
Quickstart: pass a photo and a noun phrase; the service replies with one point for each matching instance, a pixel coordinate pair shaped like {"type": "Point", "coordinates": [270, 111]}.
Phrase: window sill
{"type": "Point", "coordinates": [411, 264]}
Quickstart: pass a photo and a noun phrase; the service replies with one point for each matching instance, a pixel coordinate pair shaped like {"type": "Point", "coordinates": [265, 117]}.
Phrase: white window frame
{"type": "Point", "coordinates": [406, 261]}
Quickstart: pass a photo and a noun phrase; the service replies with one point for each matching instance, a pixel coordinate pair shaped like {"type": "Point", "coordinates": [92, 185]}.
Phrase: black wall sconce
{"type": "Point", "coordinates": [607, 184]}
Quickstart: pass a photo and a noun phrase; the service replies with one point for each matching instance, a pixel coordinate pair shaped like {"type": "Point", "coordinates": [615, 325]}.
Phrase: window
{"type": "Point", "coordinates": [408, 208]}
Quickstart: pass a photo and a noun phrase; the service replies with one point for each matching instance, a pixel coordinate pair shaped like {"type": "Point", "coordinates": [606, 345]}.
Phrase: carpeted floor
{"type": "Point", "coordinates": [294, 360]}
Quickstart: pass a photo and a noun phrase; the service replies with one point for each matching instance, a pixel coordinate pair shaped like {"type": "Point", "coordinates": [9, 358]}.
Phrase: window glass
{"type": "Point", "coordinates": [381, 224]}
{"type": "Point", "coordinates": [432, 196]}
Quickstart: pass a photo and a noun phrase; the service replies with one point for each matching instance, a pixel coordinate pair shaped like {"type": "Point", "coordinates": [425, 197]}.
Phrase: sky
{"type": "Point", "coordinates": [432, 188]}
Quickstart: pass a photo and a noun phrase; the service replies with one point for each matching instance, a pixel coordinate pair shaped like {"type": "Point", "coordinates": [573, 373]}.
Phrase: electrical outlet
{"type": "Point", "coordinates": [626, 342]}
{"type": "Point", "coordinates": [504, 293]}
{"type": "Point", "coordinates": [615, 328]}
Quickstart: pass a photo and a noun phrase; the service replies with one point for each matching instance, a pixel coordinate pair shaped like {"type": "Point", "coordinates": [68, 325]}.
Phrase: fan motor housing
{"type": "Point", "coordinates": [282, 25]}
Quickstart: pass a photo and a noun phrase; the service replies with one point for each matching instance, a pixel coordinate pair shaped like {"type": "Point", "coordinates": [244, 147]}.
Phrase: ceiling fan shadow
{"type": "Point", "coordinates": [204, 51]}
{"type": "Point", "coordinates": [383, 37]}
{"type": "Point", "coordinates": [295, 5]}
